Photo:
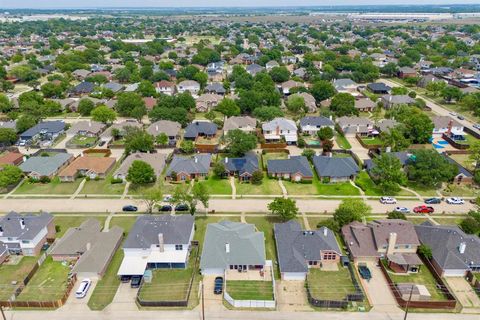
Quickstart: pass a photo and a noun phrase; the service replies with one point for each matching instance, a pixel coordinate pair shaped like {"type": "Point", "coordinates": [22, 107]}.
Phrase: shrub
{"type": "Point", "coordinates": [44, 179]}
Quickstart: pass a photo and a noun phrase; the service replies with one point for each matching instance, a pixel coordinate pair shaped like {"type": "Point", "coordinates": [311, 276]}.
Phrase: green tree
{"type": "Point", "coordinates": [322, 90]}
{"type": "Point", "coordinates": [219, 169]}
{"type": "Point", "coordinates": [7, 136]}
{"type": "Point", "coordinates": [257, 177]}
{"type": "Point", "coordinates": [104, 114]}
{"type": "Point", "coordinates": [435, 87]}
{"type": "Point", "coordinates": [10, 175]}
{"type": "Point", "coordinates": [239, 142]}
{"type": "Point", "coordinates": [130, 104]}
{"type": "Point", "coordinates": [5, 104]}
{"type": "Point", "coordinates": [187, 146]}
{"type": "Point", "coordinates": [228, 107]}
{"type": "Point", "coordinates": [396, 215]}
{"type": "Point", "coordinates": [343, 104]}
{"type": "Point", "coordinates": [146, 89]}
{"type": "Point", "coordinates": [279, 74]}
{"type": "Point", "coordinates": [25, 122]}
{"type": "Point", "coordinates": [450, 93]}
{"type": "Point", "coordinates": [152, 198]}
{"type": "Point", "coordinates": [309, 154]}
{"type": "Point", "coordinates": [325, 133]}
{"type": "Point", "coordinates": [184, 196]}
{"type": "Point", "coordinates": [138, 140]}
{"type": "Point", "coordinates": [351, 210]}
{"type": "Point", "coordinates": [429, 168]}
{"type": "Point", "coordinates": [85, 107]}
{"type": "Point", "coordinates": [141, 172]}
{"type": "Point", "coordinates": [177, 114]}
{"type": "Point", "coordinates": [425, 251]}
{"type": "Point", "coordinates": [296, 104]}
{"type": "Point", "coordinates": [267, 113]}
{"type": "Point", "coordinates": [162, 139]}
{"type": "Point", "coordinates": [395, 139]}
{"type": "Point", "coordinates": [285, 208]}
{"type": "Point", "coordinates": [388, 173]}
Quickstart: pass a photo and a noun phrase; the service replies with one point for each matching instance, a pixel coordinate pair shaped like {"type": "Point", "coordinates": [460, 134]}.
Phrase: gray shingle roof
{"type": "Point", "coordinates": [335, 167]}
{"type": "Point", "coordinates": [296, 247]}
{"type": "Point", "coordinates": [293, 165]}
{"type": "Point", "coordinates": [34, 223]}
{"type": "Point", "coordinates": [49, 127]}
{"type": "Point", "coordinates": [246, 246]}
{"type": "Point", "coordinates": [170, 128]}
{"type": "Point", "coordinates": [197, 128]}
{"type": "Point", "coordinates": [175, 229]}
{"type": "Point", "coordinates": [316, 122]}
{"type": "Point", "coordinates": [45, 166]}
{"type": "Point", "coordinates": [155, 160]}
{"type": "Point", "coordinates": [246, 164]}
{"type": "Point", "coordinates": [189, 165]}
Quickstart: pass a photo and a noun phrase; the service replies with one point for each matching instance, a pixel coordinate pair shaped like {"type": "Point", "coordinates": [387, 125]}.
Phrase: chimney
{"type": "Point", "coordinates": [462, 247]}
{"type": "Point", "coordinates": [89, 246]}
{"type": "Point", "coordinates": [161, 243]}
{"type": "Point", "coordinates": [195, 159]}
{"type": "Point", "coordinates": [450, 124]}
{"type": "Point", "coordinates": [325, 232]}
{"type": "Point", "coordinates": [330, 117]}
{"type": "Point", "coordinates": [392, 240]}
{"type": "Point", "coordinates": [156, 127]}
{"type": "Point", "coordinates": [226, 159]}
{"type": "Point", "coordinates": [22, 223]}
{"type": "Point", "coordinates": [1, 231]}
{"type": "Point", "coordinates": [227, 247]}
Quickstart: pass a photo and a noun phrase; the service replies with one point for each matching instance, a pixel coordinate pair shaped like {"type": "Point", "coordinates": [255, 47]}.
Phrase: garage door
{"type": "Point", "coordinates": [300, 276]}
{"type": "Point", "coordinates": [212, 272]}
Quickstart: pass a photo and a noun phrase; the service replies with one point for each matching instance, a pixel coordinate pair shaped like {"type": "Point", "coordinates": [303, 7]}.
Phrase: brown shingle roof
{"type": "Point", "coordinates": [93, 164]}
{"type": "Point", "coordinates": [13, 158]}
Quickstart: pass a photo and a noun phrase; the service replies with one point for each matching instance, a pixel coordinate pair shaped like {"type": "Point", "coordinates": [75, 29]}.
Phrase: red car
{"type": "Point", "coordinates": [423, 209]}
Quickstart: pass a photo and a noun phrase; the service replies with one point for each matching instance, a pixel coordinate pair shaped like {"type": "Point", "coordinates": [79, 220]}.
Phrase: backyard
{"type": "Point", "coordinates": [249, 290]}
{"type": "Point", "coordinates": [14, 272]}
{"type": "Point", "coordinates": [51, 188]}
{"type": "Point", "coordinates": [49, 282]}
{"type": "Point", "coordinates": [372, 141]}
{"type": "Point", "coordinates": [342, 142]}
{"type": "Point", "coordinates": [83, 141]}
{"type": "Point", "coordinates": [330, 285]}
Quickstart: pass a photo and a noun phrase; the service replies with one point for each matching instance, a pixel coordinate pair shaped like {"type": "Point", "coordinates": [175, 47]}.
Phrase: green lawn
{"type": "Point", "coordinates": [48, 283]}
{"type": "Point", "coordinates": [422, 190]}
{"type": "Point", "coordinates": [62, 223]}
{"type": "Point", "coordinates": [126, 223]}
{"type": "Point", "coordinates": [106, 287]}
{"type": "Point", "coordinates": [265, 225]}
{"type": "Point", "coordinates": [215, 185]}
{"type": "Point", "coordinates": [339, 189]}
{"type": "Point", "coordinates": [469, 139]}
{"type": "Point", "coordinates": [273, 156]}
{"type": "Point", "coordinates": [416, 220]}
{"type": "Point", "coordinates": [169, 284]}
{"type": "Point", "coordinates": [372, 141]}
{"type": "Point", "coordinates": [297, 188]}
{"type": "Point", "coordinates": [313, 221]}
{"type": "Point", "coordinates": [250, 290]}
{"type": "Point", "coordinates": [450, 221]}
{"type": "Point", "coordinates": [330, 285]}
{"type": "Point", "coordinates": [459, 191]}
{"type": "Point", "coordinates": [366, 183]}
{"type": "Point", "coordinates": [54, 187]}
{"type": "Point", "coordinates": [424, 277]}
{"type": "Point", "coordinates": [10, 273]}
{"type": "Point", "coordinates": [103, 186]}
{"type": "Point", "coordinates": [267, 187]}
{"type": "Point", "coordinates": [342, 142]}
{"type": "Point", "coordinates": [83, 141]}
{"type": "Point", "coordinates": [464, 160]}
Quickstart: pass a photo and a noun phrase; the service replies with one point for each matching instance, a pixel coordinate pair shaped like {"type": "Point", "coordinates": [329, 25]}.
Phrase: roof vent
{"type": "Point", "coordinates": [462, 247]}
{"type": "Point", "coordinates": [227, 247]}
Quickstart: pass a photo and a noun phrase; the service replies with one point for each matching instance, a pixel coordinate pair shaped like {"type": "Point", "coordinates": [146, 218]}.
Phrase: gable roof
{"type": "Point", "coordinates": [335, 167]}
{"type": "Point", "coordinates": [45, 166]}
{"type": "Point", "coordinates": [94, 127]}
{"type": "Point", "coordinates": [93, 164]}
{"type": "Point", "coordinates": [282, 123]}
{"type": "Point", "coordinates": [34, 223]}
{"type": "Point", "coordinates": [402, 156]}
{"type": "Point", "coordinates": [155, 160]}
{"type": "Point", "coordinates": [316, 122]}
{"type": "Point", "coordinates": [246, 246]}
{"type": "Point", "coordinates": [293, 165]}
{"type": "Point", "coordinates": [245, 164]}
{"type": "Point", "coordinates": [200, 127]}
{"type": "Point", "coordinates": [176, 229]}
{"type": "Point", "coordinates": [199, 163]}
{"type": "Point", "coordinates": [170, 128]}
{"type": "Point", "coordinates": [296, 247]}
{"type": "Point", "coordinates": [237, 122]}
{"type": "Point", "coordinates": [49, 127]}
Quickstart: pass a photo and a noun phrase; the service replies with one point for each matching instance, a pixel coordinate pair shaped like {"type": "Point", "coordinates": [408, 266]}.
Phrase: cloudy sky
{"type": "Point", "coordinates": [206, 3]}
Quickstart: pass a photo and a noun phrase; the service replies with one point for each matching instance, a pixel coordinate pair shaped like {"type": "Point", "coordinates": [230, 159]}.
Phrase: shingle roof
{"type": "Point", "coordinates": [246, 164]}
{"type": "Point", "coordinates": [45, 166]}
{"type": "Point", "coordinates": [93, 164]}
{"type": "Point", "coordinates": [49, 127]}
{"type": "Point", "coordinates": [296, 247]}
{"type": "Point", "coordinates": [335, 167]}
{"type": "Point", "coordinates": [175, 229]}
{"type": "Point", "coordinates": [316, 122]}
{"type": "Point", "coordinates": [246, 246]}
{"type": "Point", "coordinates": [239, 122]}
{"type": "Point", "coordinates": [34, 223]}
{"type": "Point", "coordinates": [94, 127]}
{"type": "Point", "coordinates": [189, 165]}
{"type": "Point", "coordinates": [403, 156]}
{"type": "Point", "coordinates": [155, 160]}
{"type": "Point", "coordinates": [282, 123]}
{"type": "Point", "coordinates": [200, 127]}
{"type": "Point", "coordinates": [293, 165]}
{"type": "Point", "coordinates": [170, 128]}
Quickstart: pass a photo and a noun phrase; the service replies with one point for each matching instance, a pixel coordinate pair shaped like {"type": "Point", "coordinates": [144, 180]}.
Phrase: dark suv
{"type": "Point", "coordinates": [136, 281]}
{"type": "Point", "coordinates": [218, 288]}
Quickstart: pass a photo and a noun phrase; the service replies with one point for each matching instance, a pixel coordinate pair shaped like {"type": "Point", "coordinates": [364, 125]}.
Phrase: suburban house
{"type": "Point", "coordinates": [296, 168]}
{"type": "Point", "coordinates": [407, 72]}
{"type": "Point", "coordinates": [346, 86]}
{"type": "Point", "coordinates": [11, 158]}
{"type": "Point", "coordinates": [298, 250]}
{"type": "Point", "coordinates": [115, 87]}
{"type": "Point", "coordinates": [107, 135]}
{"type": "Point", "coordinates": [350, 126]}
{"type": "Point", "coordinates": [463, 175]}
{"type": "Point", "coordinates": [378, 88]}
{"type": "Point", "coordinates": [215, 87]}
{"type": "Point", "coordinates": [335, 169]}
{"type": "Point", "coordinates": [243, 167]}
{"type": "Point", "coordinates": [92, 167]}
{"type": "Point", "coordinates": [165, 87]}
{"type": "Point", "coordinates": [26, 234]}
{"type": "Point", "coordinates": [89, 247]}
{"type": "Point", "coordinates": [86, 128]}
{"type": "Point", "coordinates": [3, 253]}
{"type": "Point", "coordinates": [271, 64]}
{"type": "Point", "coordinates": [311, 124]}
{"type": "Point", "coordinates": [157, 242]}
{"type": "Point", "coordinates": [232, 246]}
{"type": "Point", "coordinates": [289, 85]}
{"type": "Point", "coordinates": [403, 156]}
{"type": "Point", "coordinates": [155, 160]}
{"type": "Point", "coordinates": [37, 167]}
{"type": "Point", "coordinates": [200, 129]}
{"type": "Point", "coordinates": [244, 123]}
{"type": "Point", "coordinates": [453, 251]}
{"type": "Point", "coordinates": [82, 88]}
{"type": "Point", "coordinates": [186, 168]}
{"type": "Point", "coordinates": [386, 124]}
{"type": "Point", "coordinates": [207, 102]}
{"type": "Point", "coordinates": [43, 131]}
{"type": "Point", "coordinates": [425, 80]}
{"type": "Point", "coordinates": [364, 105]}
{"type": "Point", "coordinates": [309, 100]}
{"type": "Point", "coordinates": [447, 125]}
{"type": "Point", "coordinates": [253, 69]}
{"type": "Point", "coordinates": [389, 101]}
{"type": "Point", "coordinates": [393, 239]}
{"type": "Point", "coordinates": [169, 128]}
{"type": "Point", "coordinates": [280, 128]}
{"type": "Point", "coordinates": [188, 86]}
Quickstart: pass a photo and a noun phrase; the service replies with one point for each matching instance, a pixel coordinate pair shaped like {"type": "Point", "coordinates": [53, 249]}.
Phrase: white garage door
{"type": "Point", "coordinates": [213, 272]}
{"type": "Point", "coordinates": [293, 276]}
{"type": "Point", "coordinates": [453, 273]}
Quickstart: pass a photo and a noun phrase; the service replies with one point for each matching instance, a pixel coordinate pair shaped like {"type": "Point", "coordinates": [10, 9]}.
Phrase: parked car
{"type": "Point", "coordinates": [136, 281]}
{"type": "Point", "coordinates": [423, 209]}
{"type": "Point", "coordinates": [364, 272]}
{"type": "Point", "coordinates": [455, 200]}
{"type": "Point", "coordinates": [388, 200]}
{"type": "Point", "coordinates": [181, 207]}
{"type": "Point", "coordinates": [165, 208]}
{"type": "Point", "coordinates": [218, 288]}
{"type": "Point", "coordinates": [102, 143]}
{"type": "Point", "coordinates": [453, 114]}
{"type": "Point", "coordinates": [129, 208]}
{"type": "Point", "coordinates": [460, 117]}
{"type": "Point", "coordinates": [167, 198]}
{"type": "Point", "coordinates": [476, 126]}
{"type": "Point", "coordinates": [433, 201]}
{"type": "Point", "coordinates": [401, 209]}
{"type": "Point", "coordinates": [83, 288]}
{"type": "Point", "coordinates": [125, 279]}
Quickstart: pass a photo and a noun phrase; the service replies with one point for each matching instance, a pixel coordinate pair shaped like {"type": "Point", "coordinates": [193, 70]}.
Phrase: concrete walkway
{"type": "Point", "coordinates": [234, 189]}
{"type": "Point", "coordinates": [80, 187]}
{"type": "Point", "coordinates": [362, 193]}
{"type": "Point", "coordinates": [15, 189]}
{"type": "Point", "coordinates": [284, 190]}
{"type": "Point", "coordinates": [125, 191]}
{"type": "Point", "coordinates": [106, 227]}
{"type": "Point", "coordinates": [306, 223]}
{"type": "Point", "coordinates": [413, 191]}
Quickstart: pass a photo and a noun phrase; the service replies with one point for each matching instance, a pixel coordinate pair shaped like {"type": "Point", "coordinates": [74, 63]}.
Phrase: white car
{"type": "Point", "coordinates": [388, 200]}
{"type": "Point", "coordinates": [401, 209]}
{"type": "Point", "coordinates": [476, 126]}
{"type": "Point", "coordinates": [455, 200]}
{"type": "Point", "coordinates": [83, 288]}
{"type": "Point", "coordinates": [167, 198]}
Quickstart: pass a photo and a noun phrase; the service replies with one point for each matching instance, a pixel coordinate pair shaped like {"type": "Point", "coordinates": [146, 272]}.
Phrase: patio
{"type": "Point", "coordinates": [250, 275]}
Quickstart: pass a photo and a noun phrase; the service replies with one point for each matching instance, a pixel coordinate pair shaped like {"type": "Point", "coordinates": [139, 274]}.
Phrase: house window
{"type": "Point", "coordinates": [25, 241]}
{"type": "Point", "coordinates": [312, 263]}
{"type": "Point", "coordinates": [407, 246]}
{"type": "Point", "coordinates": [179, 247]}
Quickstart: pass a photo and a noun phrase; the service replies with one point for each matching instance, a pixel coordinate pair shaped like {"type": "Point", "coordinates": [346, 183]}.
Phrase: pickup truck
{"type": "Point", "coordinates": [364, 271]}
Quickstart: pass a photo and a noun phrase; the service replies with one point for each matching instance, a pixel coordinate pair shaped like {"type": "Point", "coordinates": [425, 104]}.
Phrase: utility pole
{"type": "Point", "coordinates": [203, 303]}
{"type": "Point", "coordinates": [408, 302]}
{"type": "Point", "coordinates": [3, 314]}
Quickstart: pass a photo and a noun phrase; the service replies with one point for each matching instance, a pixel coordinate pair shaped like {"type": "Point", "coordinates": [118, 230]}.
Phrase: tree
{"type": "Point", "coordinates": [395, 139]}
{"type": "Point", "coordinates": [85, 107]}
{"type": "Point", "coordinates": [327, 146]}
{"type": "Point", "coordinates": [138, 140]}
{"type": "Point", "coordinates": [322, 90]}
{"type": "Point", "coordinates": [296, 104]}
{"type": "Point", "coordinates": [52, 90]}
{"type": "Point", "coordinates": [240, 142]}
{"type": "Point", "coordinates": [425, 251]}
{"type": "Point", "coordinates": [396, 215]}
{"type": "Point", "coordinates": [146, 89]}
{"type": "Point", "coordinates": [343, 104]}
{"type": "Point", "coordinates": [228, 107]}
{"type": "Point", "coordinates": [450, 93]}
{"type": "Point", "coordinates": [418, 125]}
{"type": "Point", "coordinates": [474, 155]}
{"type": "Point", "coordinates": [187, 146]}
{"type": "Point", "coordinates": [130, 104]}
{"type": "Point", "coordinates": [429, 168]}
{"type": "Point", "coordinates": [177, 114]}
{"type": "Point", "coordinates": [219, 169]}
{"type": "Point", "coordinates": [387, 171]}
{"type": "Point", "coordinates": [152, 197]}
{"type": "Point", "coordinates": [199, 193]}
{"type": "Point", "coordinates": [162, 139]}
{"type": "Point", "coordinates": [10, 175]}
{"type": "Point", "coordinates": [141, 172]}
{"type": "Point", "coordinates": [257, 177]}
{"type": "Point", "coordinates": [325, 133]}
{"type": "Point", "coordinates": [279, 74]}
{"type": "Point", "coordinates": [329, 223]}
{"type": "Point", "coordinates": [435, 87]}
{"type": "Point", "coordinates": [267, 113]}
{"type": "Point", "coordinates": [103, 114]}
{"type": "Point", "coordinates": [284, 207]}
{"type": "Point", "coordinates": [351, 210]}
{"type": "Point", "coordinates": [25, 122]}
{"type": "Point", "coordinates": [309, 154]}
{"type": "Point", "coordinates": [5, 104]}
{"type": "Point", "coordinates": [7, 136]}
{"type": "Point", "coordinates": [390, 69]}
{"type": "Point", "coordinates": [470, 226]}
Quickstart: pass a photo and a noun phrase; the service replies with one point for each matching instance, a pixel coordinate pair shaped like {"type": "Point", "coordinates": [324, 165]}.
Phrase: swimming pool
{"type": "Point", "coordinates": [440, 144]}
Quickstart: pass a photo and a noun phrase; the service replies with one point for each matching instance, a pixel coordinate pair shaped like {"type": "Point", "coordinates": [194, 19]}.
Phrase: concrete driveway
{"type": "Point", "coordinates": [378, 290]}
{"type": "Point", "coordinates": [212, 301]}
{"type": "Point", "coordinates": [463, 291]}
{"type": "Point", "coordinates": [358, 149]}
{"type": "Point", "coordinates": [75, 304]}
{"type": "Point", "coordinates": [292, 296]}
{"type": "Point", "coordinates": [124, 299]}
